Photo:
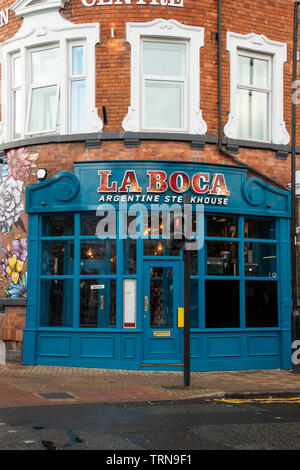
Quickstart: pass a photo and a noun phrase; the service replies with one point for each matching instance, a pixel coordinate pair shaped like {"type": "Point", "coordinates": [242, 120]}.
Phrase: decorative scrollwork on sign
{"type": "Point", "coordinates": [253, 191]}
{"type": "Point", "coordinates": [66, 187]}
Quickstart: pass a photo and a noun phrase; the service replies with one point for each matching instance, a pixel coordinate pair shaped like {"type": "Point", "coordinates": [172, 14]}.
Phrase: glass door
{"type": "Point", "coordinates": [163, 295]}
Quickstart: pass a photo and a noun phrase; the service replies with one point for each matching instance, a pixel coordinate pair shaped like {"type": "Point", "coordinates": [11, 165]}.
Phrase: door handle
{"type": "Point", "coordinates": [101, 302]}
{"type": "Point", "coordinates": [146, 303]}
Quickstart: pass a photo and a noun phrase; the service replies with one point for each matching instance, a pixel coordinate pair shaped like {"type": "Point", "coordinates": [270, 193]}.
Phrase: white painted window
{"type": "Point", "coordinates": [256, 89]}
{"type": "Point", "coordinates": [48, 74]}
{"type": "Point", "coordinates": [43, 99]}
{"type": "Point", "coordinates": [165, 77]}
{"type": "Point", "coordinates": [77, 86]}
{"type": "Point", "coordinates": [254, 96]}
{"type": "Point", "coordinates": [16, 104]}
{"type": "Point", "coordinates": [164, 82]}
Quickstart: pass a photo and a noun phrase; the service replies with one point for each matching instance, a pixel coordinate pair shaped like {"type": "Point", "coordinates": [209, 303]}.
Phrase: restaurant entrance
{"type": "Point", "coordinates": [163, 295]}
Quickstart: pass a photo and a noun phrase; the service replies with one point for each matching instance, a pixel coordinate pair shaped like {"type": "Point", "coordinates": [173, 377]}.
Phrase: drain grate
{"type": "Point", "coordinates": [56, 396]}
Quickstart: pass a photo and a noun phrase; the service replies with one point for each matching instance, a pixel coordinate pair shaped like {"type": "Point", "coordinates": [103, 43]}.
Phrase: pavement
{"type": "Point", "coordinates": [22, 385]}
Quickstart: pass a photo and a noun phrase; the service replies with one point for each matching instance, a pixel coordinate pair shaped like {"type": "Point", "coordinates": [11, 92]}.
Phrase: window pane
{"type": "Point", "coordinates": [58, 225]}
{"type": "Point", "coordinates": [56, 302]}
{"type": "Point", "coordinates": [222, 310]}
{"type": "Point", "coordinates": [194, 304]}
{"type": "Point", "coordinates": [78, 104]}
{"type": "Point", "coordinates": [90, 221]}
{"type": "Point", "coordinates": [162, 58]}
{"type": "Point", "coordinates": [261, 304]}
{"type": "Point", "coordinates": [260, 72]}
{"type": "Point", "coordinates": [77, 60]}
{"type": "Point", "coordinates": [98, 257]}
{"type": "Point", "coordinates": [45, 66]}
{"type": "Point", "coordinates": [243, 70]}
{"type": "Point", "coordinates": [163, 104]}
{"type": "Point", "coordinates": [17, 113]}
{"type": "Point", "coordinates": [219, 226]}
{"type": "Point", "coordinates": [159, 248]}
{"type": "Point", "coordinates": [129, 256]}
{"type": "Point", "coordinates": [97, 303]}
{"type": "Point", "coordinates": [43, 109]}
{"type": "Point", "coordinates": [253, 71]}
{"type": "Point", "coordinates": [243, 114]}
{"type": "Point", "coordinates": [260, 259]}
{"type": "Point", "coordinates": [253, 115]}
{"type": "Point", "coordinates": [16, 68]}
{"type": "Point", "coordinates": [161, 297]}
{"type": "Point", "coordinates": [57, 257]}
{"type": "Point", "coordinates": [259, 106]}
{"type": "Point", "coordinates": [222, 258]}
{"type": "Point", "coordinates": [260, 228]}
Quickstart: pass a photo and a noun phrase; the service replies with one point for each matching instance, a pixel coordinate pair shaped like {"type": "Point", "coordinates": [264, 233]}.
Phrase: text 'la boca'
{"type": "Point", "coordinates": [159, 182]}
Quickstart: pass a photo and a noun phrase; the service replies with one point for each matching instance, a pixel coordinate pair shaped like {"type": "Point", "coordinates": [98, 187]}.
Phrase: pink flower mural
{"type": "Point", "coordinates": [21, 164]}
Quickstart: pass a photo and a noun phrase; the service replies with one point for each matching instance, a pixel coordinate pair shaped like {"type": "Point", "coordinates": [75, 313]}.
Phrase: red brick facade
{"type": "Point", "coordinates": [271, 18]}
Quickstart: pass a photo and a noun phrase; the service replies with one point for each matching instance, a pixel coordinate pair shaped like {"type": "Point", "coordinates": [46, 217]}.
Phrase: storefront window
{"type": "Point", "coordinates": [129, 256]}
{"type": "Point", "coordinates": [222, 307]}
{"type": "Point", "coordinates": [57, 257]}
{"type": "Point", "coordinates": [58, 225]}
{"type": "Point", "coordinates": [98, 257]}
{"type": "Point", "coordinates": [159, 248]}
{"type": "Point", "coordinates": [56, 307]}
{"type": "Point", "coordinates": [220, 226]}
{"type": "Point", "coordinates": [261, 304]}
{"type": "Point", "coordinates": [194, 304]}
{"type": "Point", "coordinates": [222, 258]}
{"type": "Point", "coordinates": [260, 259]}
{"type": "Point", "coordinates": [97, 303]}
{"type": "Point", "coordinates": [260, 228]}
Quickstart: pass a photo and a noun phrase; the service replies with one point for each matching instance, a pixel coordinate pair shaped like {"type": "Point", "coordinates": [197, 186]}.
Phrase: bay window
{"type": "Point", "coordinates": [48, 76]}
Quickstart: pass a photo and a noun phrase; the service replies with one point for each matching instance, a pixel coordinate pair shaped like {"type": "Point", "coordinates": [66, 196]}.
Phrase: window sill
{"type": "Point", "coordinates": [282, 151]}
{"type": "Point", "coordinates": [131, 139]}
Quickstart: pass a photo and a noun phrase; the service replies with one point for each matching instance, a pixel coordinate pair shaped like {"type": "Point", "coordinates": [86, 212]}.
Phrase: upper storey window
{"type": "Point", "coordinates": [254, 96]}
{"type": "Point", "coordinates": [164, 84]}
{"type": "Point", "coordinates": [48, 74]}
{"type": "Point", "coordinates": [165, 77]}
{"type": "Point", "coordinates": [256, 89]}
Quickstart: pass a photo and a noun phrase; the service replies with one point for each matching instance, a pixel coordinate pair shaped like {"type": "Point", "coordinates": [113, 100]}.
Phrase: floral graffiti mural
{"type": "Point", "coordinates": [19, 167]}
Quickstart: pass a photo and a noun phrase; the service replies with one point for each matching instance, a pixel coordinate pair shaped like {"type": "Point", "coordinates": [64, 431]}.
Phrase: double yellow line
{"type": "Point", "coordinates": [259, 400]}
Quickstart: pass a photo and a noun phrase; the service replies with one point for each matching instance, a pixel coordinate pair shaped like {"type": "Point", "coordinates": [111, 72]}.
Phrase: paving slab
{"type": "Point", "coordinates": [38, 385]}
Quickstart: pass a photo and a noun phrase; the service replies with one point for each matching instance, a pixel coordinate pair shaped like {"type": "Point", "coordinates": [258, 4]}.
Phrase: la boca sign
{"type": "Point", "coordinates": [204, 187]}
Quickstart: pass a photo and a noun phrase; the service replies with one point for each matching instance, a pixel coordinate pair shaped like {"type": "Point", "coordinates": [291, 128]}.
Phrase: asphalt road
{"type": "Point", "coordinates": [206, 425]}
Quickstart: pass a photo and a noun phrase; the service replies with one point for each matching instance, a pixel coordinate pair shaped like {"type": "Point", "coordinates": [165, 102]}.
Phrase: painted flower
{"type": "Point", "coordinates": [20, 163]}
{"type": "Point", "coordinates": [20, 248]}
{"type": "Point", "coordinates": [14, 268]}
{"type": "Point", "coordinates": [11, 202]}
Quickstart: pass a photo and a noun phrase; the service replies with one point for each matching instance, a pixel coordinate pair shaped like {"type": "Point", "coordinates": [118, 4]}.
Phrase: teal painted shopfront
{"type": "Point", "coordinates": [112, 301]}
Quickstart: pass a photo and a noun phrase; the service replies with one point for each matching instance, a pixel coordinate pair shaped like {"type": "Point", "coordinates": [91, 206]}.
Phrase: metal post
{"type": "Point", "coordinates": [187, 302]}
{"type": "Point", "coordinates": [295, 314]}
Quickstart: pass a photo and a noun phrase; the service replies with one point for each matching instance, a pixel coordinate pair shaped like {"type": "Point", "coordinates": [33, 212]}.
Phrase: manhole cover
{"type": "Point", "coordinates": [56, 396]}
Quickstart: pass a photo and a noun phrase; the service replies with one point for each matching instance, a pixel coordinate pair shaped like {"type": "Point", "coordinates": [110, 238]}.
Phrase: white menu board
{"type": "Point", "coordinates": [129, 303]}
